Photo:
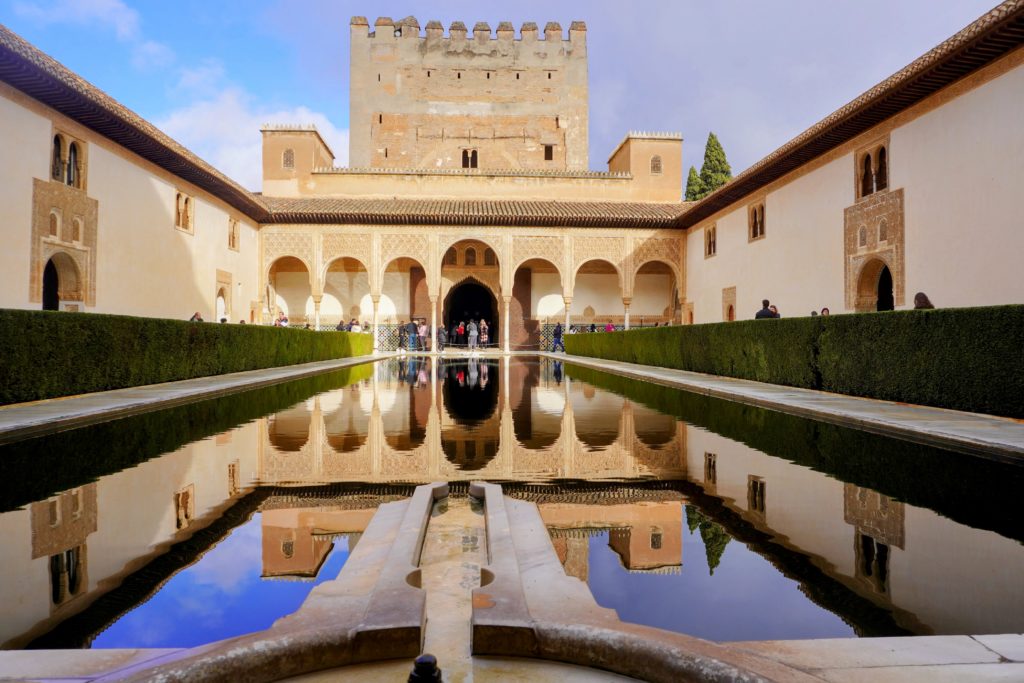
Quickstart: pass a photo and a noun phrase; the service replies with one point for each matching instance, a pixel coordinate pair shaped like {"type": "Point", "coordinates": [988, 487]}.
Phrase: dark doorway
{"type": "Point", "coordinates": [471, 301]}
{"type": "Point", "coordinates": [470, 391]}
{"type": "Point", "coordinates": [885, 298]}
{"type": "Point", "coordinates": [51, 287]}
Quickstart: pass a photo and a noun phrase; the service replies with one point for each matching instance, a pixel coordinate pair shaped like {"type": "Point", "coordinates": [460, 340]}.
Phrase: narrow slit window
{"type": "Point", "coordinates": [549, 152]}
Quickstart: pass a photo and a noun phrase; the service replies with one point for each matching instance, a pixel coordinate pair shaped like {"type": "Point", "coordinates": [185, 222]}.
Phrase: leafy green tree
{"type": "Point", "coordinates": [715, 538]}
{"type": "Point", "coordinates": [694, 188]}
{"type": "Point", "coordinates": [715, 172]}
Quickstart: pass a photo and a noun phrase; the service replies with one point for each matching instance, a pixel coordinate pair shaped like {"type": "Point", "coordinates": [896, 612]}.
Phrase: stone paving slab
{"type": "Point", "coordinates": [995, 438]}
{"type": "Point", "coordinates": [25, 420]}
{"type": "Point", "coordinates": [950, 673]}
{"type": "Point", "coordinates": [69, 665]}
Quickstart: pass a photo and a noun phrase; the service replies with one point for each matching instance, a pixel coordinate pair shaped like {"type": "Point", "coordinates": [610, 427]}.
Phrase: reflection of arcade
{"type": "Point", "coordinates": [508, 419]}
{"type": "Point", "coordinates": [471, 426]}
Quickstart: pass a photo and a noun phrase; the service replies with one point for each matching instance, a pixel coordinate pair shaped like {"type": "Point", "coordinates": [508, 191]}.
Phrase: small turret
{"type": "Point", "coordinates": [528, 32]}
{"type": "Point", "coordinates": [482, 32]}
{"type": "Point", "coordinates": [553, 31]}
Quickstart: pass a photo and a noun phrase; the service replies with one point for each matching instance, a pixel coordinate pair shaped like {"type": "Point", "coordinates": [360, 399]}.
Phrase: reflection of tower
{"type": "Point", "coordinates": [879, 524]}
{"type": "Point", "coordinates": [646, 535]}
{"type": "Point", "coordinates": [60, 527]}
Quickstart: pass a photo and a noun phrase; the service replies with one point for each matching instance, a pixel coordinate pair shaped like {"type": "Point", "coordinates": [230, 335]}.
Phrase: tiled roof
{"type": "Point", "coordinates": [473, 212]}
{"type": "Point", "coordinates": [47, 80]}
{"type": "Point", "coordinates": [39, 76]}
{"type": "Point", "coordinates": [995, 34]}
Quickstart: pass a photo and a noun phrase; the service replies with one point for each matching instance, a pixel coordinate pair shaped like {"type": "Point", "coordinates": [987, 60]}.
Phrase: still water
{"type": "Point", "coordinates": [692, 514]}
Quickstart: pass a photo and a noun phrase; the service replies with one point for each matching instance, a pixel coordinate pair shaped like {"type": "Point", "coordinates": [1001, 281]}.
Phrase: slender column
{"type": "Point", "coordinates": [433, 326]}
{"type": "Point", "coordinates": [376, 318]}
{"type": "Point", "coordinates": [316, 311]}
{"type": "Point", "coordinates": [506, 316]}
{"type": "Point", "coordinates": [567, 300]}
{"type": "Point", "coordinates": [625, 304]}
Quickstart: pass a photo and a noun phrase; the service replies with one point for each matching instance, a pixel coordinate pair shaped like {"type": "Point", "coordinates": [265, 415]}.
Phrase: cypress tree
{"type": "Point", "coordinates": [715, 172]}
{"type": "Point", "coordinates": [694, 189]}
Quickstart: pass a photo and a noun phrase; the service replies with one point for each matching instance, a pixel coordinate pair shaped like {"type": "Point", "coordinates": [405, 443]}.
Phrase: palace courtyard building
{"type": "Point", "coordinates": [471, 195]}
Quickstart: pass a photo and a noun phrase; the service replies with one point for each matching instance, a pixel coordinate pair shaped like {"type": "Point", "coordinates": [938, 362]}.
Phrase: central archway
{"type": "Point", "coordinates": [470, 300]}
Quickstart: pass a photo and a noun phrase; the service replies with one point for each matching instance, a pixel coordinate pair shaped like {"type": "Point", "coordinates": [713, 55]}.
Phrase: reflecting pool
{"type": "Point", "coordinates": [680, 511]}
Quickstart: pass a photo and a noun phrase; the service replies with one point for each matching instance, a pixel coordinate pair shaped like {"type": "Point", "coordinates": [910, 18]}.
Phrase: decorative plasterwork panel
{"type": "Point", "coordinates": [338, 245]}
{"type": "Point", "coordinates": [873, 235]}
{"type": "Point", "coordinates": [297, 244]}
{"type": "Point", "coordinates": [664, 249]}
{"type": "Point", "coordinates": [409, 245]}
{"type": "Point", "coordinates": [70, 206]}
{"type": "Point", "coordinates": [548, 247]}
{"type": "Point", "coordinates": [611, 249]}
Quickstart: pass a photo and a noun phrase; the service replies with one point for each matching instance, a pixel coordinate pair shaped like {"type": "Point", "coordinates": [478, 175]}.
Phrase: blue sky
{"type": "Point", "coordinates": [756, 73]}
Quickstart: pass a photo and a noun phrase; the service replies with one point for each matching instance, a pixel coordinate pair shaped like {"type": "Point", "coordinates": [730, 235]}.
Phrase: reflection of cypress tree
{"type": "Point", "coordinates": [714, 536]}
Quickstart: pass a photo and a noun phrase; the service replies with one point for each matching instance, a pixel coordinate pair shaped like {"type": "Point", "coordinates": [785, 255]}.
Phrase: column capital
{"type": "Point", "coordinates": [317, 298]}
{"type": "Point", "coordinates": [626, 300]}
{"type": "Point", "coordinates": [567, 300]}
{"type": "Point", "coordinates": [375, 298]}
{"type": "Point", "coordinates": [506, 299]}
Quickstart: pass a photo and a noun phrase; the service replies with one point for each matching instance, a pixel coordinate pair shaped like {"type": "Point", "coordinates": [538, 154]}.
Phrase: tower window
{"type": "Point", "coordinates": [73, 178]}
{"type": "Point", "coordinates": [57, 169]}
{"type": "Point", "coordinates": [549, 152]}
{"type": "Point", "coordinates": [288, 158]}
{"type": "Point", "coordinates": [469, 158]}
{"type": "Point", "coordinates": [710, 241]}
{"type": "Point", "coordinates": [656, 165]}
{"type": "Point", "coordinates": [380, 118]}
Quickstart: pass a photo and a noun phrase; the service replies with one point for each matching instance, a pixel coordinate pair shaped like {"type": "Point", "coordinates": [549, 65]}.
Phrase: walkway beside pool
{"type": "Point", "coordinates": [26, 420]}
{"type": "Point", "coordinates": [987, 436]}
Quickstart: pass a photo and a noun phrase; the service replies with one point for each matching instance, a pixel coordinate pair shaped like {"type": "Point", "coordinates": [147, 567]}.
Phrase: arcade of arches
{"type": "Point", "coordinates": [322, 275]}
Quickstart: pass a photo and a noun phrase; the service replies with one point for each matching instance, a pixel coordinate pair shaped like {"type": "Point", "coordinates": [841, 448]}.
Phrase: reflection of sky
{"type": "Point", "coordinates": [746, 599]}
{"type": "Point", "coordinates": [220, 596]}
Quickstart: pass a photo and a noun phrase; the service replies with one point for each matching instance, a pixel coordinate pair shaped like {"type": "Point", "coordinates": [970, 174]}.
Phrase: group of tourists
{"type": "Point", "coordinates": [769, 310]}
{"type": "Point", "coordinates": [413, 336]}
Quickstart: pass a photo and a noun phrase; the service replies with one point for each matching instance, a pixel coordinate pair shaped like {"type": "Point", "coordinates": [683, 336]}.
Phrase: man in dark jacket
{"type": "Point", "coordinates": [765, 312]}
{"type": "Point", "coordinates": [410, 336]}
{"type": "Point", "coordinates": [556, 338]}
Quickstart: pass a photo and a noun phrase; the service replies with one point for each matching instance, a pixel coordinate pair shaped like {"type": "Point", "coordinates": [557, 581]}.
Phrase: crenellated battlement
{"type": "Point", "coordinates": [472, 96]}
{"type": "Point", "coordinates": [386, 29]}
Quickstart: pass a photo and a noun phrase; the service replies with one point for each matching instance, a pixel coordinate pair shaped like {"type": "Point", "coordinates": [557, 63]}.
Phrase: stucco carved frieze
{"type": "Point", "coordinates": [64, 228]}
{"type": "Point", "coordinates": [292, 243]}
{"type": "Point", "coordinates": [588, 248]}
{"type": "Point", "coordinates": [339, 245]}
{"type": "Point", "coordinates": [548, 247]}
{"type": "Point", "coordinates": [664, 249]}
{"type": "Point", "coordinates": [415, 246]}
{"type": "Point", "coordinates": [873, 238]}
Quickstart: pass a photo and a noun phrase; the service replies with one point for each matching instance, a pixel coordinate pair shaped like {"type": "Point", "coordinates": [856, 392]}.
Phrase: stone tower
{"type": "Point", "coordinates": [467, 101]}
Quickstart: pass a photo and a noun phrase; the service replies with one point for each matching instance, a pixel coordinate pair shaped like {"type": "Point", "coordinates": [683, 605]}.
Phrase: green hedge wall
{"type": "Point", "coordinates": [973, 491]}
{"type": "Point", "coordinates": [48, 354]}
{"type": "Point", "coordinates": [962, 358]}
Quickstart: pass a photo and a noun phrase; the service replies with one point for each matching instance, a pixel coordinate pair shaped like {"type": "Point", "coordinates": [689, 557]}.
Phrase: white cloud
{"type": "Point", "coordinates": [223, 127]}
{"type": "Point", "coordinates": [112, 14]}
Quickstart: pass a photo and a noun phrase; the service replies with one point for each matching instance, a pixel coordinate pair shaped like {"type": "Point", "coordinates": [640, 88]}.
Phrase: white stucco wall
{"type": "Point", "coordinates": [963, 167]}
{"type": "Point", "coordinates": [130, 526]}
{"type": "Point", "coordinates": [798, 265]}
{"type": "Point", "coordinates": [25, 138]}
{"type": "Point", "coordinates": [144, 266]}
{"type": "Point", "coordinates": [960, 166]}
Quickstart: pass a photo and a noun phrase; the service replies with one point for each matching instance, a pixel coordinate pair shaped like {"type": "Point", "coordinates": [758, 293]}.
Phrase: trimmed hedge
{"type": "Point", "coordinates": [48, 354]}
{"type": "Point", "coordinates": [37, 468]}
{"type": "Point", "coordinates": [973, 491]}
{"type": "Point", "coordinates": [963, 358]}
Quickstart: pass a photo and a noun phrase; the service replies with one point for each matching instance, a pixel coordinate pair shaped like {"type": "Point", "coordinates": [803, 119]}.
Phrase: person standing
{"type": "Point", "coordinates": [765, 312]}
{"type": "Point", "coordinates": [402, 341]}
{"type": "Point", "coordinates": [460, 334]}
{"type": "Point", "coordinates": [485, 333]}
{"type": "Point", "coordinates": [411, 332]}
{"type": "Point", "coordinates": [609, 327]}
{"type": "Point", "coordinates": [421, 330]}
{"type": "Point", "coordinates": [474, 334]}
{"type": "Point", "coordinates": [442, 338]}
{"type": "Point", "coordinates": [775, 311]}
{"type": "Point", "coordinates": [593, 327]}
{"type": "Point", "coordinates": [556, 338]}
